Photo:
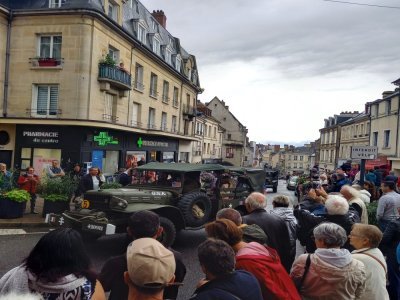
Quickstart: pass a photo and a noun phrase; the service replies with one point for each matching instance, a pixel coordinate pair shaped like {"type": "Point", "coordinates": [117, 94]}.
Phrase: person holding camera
{"type": "Point", "coordinates": [29, 182]}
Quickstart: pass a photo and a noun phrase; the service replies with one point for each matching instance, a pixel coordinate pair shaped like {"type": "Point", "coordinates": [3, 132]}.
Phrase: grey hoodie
{"type": "Point", "coordinates": [287, 215]}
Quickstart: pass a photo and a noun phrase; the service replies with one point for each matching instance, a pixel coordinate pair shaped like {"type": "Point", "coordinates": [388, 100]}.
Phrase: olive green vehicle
{"type": "Point", "coordinates": [185, 196]}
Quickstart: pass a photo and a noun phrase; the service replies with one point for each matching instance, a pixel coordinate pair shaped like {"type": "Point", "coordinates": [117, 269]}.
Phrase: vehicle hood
{"type": "Point", "coordinates": [133, 194]}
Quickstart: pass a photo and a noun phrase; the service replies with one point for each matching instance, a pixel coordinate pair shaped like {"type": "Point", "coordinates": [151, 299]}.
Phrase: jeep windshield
{"type": "Point", "coordinates": [157, 178]}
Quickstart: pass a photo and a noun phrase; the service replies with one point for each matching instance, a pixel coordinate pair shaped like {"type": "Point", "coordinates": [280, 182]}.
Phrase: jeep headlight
{"type": "Point", "coordinates": [118, 203]}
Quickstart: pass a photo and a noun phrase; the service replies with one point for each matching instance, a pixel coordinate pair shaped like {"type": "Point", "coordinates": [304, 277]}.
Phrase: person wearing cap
{"type": "Point", "coordinates": [217, 261]}
{"type": "Point", "coordinates": [151, 268]}
{"type": "Point", "coordinates": [141, 224]}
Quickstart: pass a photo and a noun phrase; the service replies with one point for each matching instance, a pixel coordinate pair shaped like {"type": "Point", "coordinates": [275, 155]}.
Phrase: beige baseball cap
{"type": "Point", "coordinates": [150, 264]}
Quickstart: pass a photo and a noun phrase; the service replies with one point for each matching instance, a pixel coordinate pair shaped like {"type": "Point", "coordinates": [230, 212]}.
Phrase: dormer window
{"type": "Point", "coordinates": [141, 34]}
{"type": "Point", "coordinates": [55, 3]}
{"type": "Point", "coordinates": [156, 46]}
{"type": "Point", "coordinates": [171, 42]}
{"type": "Point", "coordinates": [154, 24]}
{"type": "Point", "coordinates": [168, 56]}
{"type": "Point", "coordinates": [178, 63]}
{"type": "Point", "coordinates": [113, 10]}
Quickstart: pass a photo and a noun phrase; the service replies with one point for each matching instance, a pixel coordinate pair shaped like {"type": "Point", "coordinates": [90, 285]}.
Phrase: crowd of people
{"type": "Point", "coordinates": [322, 248]}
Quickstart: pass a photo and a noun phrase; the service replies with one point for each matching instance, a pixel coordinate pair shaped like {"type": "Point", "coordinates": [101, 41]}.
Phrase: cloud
{"type": "Point", "coordinates": [284, 65]}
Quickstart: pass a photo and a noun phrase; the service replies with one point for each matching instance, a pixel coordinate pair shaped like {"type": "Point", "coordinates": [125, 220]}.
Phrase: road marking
{"type": "Point", "coordinates": [12, 231]}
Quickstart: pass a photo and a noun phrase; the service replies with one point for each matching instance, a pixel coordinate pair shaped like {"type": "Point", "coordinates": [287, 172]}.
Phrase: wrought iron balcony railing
{"type": "Point", "coordinates": [115, 76]}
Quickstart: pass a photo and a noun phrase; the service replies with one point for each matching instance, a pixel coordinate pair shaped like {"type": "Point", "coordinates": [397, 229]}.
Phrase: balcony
{"type": "Point", "coordinates": [165, 99]}
{"type": "Point", "coordinates": [136, 124]}
{"type": "Point", "coordinates": [110, 118]}
{"type": "Point", "coordinates": [43, 113]}
{"type": "Point", "coordinates": [189, 110]}
{"type": "Point", "coordinates": [229, 155]}
{"type": "Point", "coordinates": [153, 93]}
{"type": "Point", "coordinates": [114, 76]}
{"type": "Point", "coordinates": [46, 63]}
{"type": "Point", "coordinates": [151, 126]}
{"type": "Point", "coordinates": [175, 103]}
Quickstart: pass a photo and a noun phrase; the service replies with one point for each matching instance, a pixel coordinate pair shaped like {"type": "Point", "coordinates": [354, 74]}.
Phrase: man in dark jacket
{"type": "Point", "coordinates": [388, 245]}
{"type": "Point", "coordinates": [141, 224]}
{"type": "Point", "coordinates": [251, 233]}
{"type": "Point", "coordinates": [274, 227]}
{"type": "Point", "coordinates": [217, 260]}
{"type": "Point", "coordinates": [91, 181]}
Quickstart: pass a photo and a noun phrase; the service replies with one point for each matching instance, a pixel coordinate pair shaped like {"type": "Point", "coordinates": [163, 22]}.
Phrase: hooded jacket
{"type": "Point", "coordinates": [333, 275]}
{"type": "Point", "coordinates": [264, 263]}
{"type": "Point", "coordinates": [365, 196]}
{"type": "Point", "coordinates": [287, 214]}
{"type": "Point", "coordinates": [361, 209]}
{"type": "Point", "coordinates": [21, 280]}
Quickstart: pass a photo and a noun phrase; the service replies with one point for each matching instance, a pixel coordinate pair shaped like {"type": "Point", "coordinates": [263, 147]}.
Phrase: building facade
{"type": "Point", "coordinates": [108, 70]}
{"type": "Point", "coordinates": [234, 140]}
{"type": "Point", "coordinates": [384, 131]}
{"type": "Point", "coordinates": [330, 140]}
{"type": "Point", "coordinates": [299, 160]}
{"type": "Point", "coordinates": [354, 132]}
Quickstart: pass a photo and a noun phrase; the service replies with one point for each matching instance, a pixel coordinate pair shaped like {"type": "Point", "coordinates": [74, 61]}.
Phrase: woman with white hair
{"type": "Point", "coordinates": [331, 272]}
{"type": "Point", "coordinates": [353, 197]}
{"type": "Point", "coordinates": [337, 211]}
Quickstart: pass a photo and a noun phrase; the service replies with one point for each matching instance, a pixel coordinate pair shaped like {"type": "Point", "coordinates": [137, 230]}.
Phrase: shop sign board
{"type": "Point", "coordinates": [149, 143]}
{"type": "Point", "coordinates": [41, 137]}
{"type": "Point", "coordinates": [103, 139]}
{"type": "Point", "coordinates": [365, 152]}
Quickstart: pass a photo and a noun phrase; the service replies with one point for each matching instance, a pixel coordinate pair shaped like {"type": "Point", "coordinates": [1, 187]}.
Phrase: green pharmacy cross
{"type": "Point", "coordinates": [140, 142]}
{"type": "Point", "coordinates": [103, 139]}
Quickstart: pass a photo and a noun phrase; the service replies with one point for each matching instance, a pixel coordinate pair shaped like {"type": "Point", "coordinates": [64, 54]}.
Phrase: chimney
{"type": "Point", "coordinates": [386, 93]}
{"type": "Point", "coordinates": [160, 17]}
{"type": "Point", "coordinates": [367, 108]}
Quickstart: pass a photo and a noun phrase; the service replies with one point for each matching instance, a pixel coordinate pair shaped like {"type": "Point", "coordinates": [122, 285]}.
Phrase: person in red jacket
{"type": "Point", "coordinates": [260, 260]}
{"type": "Point", "coordinates": [29, 182]}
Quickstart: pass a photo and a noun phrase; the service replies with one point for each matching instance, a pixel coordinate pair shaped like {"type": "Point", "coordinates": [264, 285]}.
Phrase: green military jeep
{"type": "Point", "coordinates": [183, 195]}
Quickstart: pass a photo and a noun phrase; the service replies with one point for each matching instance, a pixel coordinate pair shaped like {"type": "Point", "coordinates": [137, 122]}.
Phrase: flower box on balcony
{"type": "Point", "coordinates": [47, 62]}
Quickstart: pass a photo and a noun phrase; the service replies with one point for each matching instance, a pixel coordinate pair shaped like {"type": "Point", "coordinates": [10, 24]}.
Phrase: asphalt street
{"type": "Point", "coordinates": [16, 245]}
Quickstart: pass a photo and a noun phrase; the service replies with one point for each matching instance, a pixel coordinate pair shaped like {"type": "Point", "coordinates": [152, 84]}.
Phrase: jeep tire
{"type": "Point", "coordinates": [195, 208]}
{"type": "Point", "coordinates": [167, 237]}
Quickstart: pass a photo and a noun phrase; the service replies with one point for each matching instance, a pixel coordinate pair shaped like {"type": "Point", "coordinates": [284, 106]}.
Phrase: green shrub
{"type": "Point", "coordinates": [57, 189]}
{"type": "Point", "coordinates": [111, 185]}
{"type": "Point", "coordinates": [371, 208]}
{"type": "Point", "coordinates": [17, 195]}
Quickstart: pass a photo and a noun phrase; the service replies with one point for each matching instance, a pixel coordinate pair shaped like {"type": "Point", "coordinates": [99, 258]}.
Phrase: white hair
{"type": "Point", "coordinates": [14, 296]}
{"type": "Point", "coordinates": [336, 205]}
{"type": "Point", "coordinates": [331, 234]}
{"type": "Point", "coordinates": [352, 191]}
{"type": "Point", "coordinates": [256, 201]}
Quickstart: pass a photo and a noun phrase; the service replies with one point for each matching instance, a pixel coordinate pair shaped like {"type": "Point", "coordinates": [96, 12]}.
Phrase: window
{"type": "Point", "coordinates": [109, 107]}
{"type": "Point", "coordinates": [332, 156]}
{"type": "Point", "coordinates": [164, 121]}
{"type": "Point", "coordinates": [215, 132]}
{"type": "Point", "coordinates": [136, 114]}
{"type": "Point", "coordinates": [165, 97]}
{"type": "Point", "coordinates": [113, 53]}
{"type": "Point", "coordinates": [356, 132]}
{"type": "Point", "coordinates": [168, 55]}
{"type": "Point", "coordinates": [375, 138]}
{"type": "Point", "coordinates": [175, 101]}
{"type": "Point", "coordinates": [368, 128]}
{"type": "Point", "coordinates": [139, 77]}
{"type": "Point", "coordinates": [55, 3]}
{"type": "Point", "coordinates": [361, 130]}
{"type": "Point", "coordinates": [213, 150]}
{"type": "Point", "coordinates": [153, 85]}
{"type": "Point", "coordinates": [229, 152]}
{"type": "Point", "coordinates": [173, 124]}
{"type": "Point", "coordinates": [295, 165]}
{"type": "Point", "coordinates": [186, 127]}
{"type": "Point", "coordinates": [386, 140]}
{"type": "Point", "coordinates": [113, 10]}
{"type": "Point", "coordinates": [156, 46]}
{"type": "Point", "coordinates": [295, 157]}
{"type": "Point", "coordinates": [141, 34]}
{"type": "Point", "coordinates": [301, 157]}
{"type": "Point", "coordinates": [374, 110]}
{"type": "Point", "coordinates": [229, 136]}
{"type": "Point", "coordinates": [178, 63]}
{"type": "Point", "coordinates": [45, 102]}
{"type": "Point", "coordinates": [154, 24]}
{"type": "Point", "coordinates": [209, 131]}
{"type": "Point", "coordinates": [50, 46]}
{"type": "Point", "coordinates": [152, 117]}
{"type": "Point", "coordinates": [301, 166]}
{"type": "Point", "coordinates": [388, 107]}
{"type": "Point", "coordinates": [205, 131]}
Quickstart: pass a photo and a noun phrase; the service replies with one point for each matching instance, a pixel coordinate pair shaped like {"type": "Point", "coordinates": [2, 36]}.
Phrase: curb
{"type": "Point", "coordinates": [23, 225]}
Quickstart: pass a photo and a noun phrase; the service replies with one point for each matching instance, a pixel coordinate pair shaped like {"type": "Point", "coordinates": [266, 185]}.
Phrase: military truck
{"type": "Point", "coordinates": [185, 196]}
{"type": "Point", "coordinates": [272, 179]}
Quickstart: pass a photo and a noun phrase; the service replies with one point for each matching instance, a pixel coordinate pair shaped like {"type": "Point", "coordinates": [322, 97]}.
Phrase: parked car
{"type": "Point", "coordinates": [183, 195]}
{"type": "Point", "coordinates": [292, 182]}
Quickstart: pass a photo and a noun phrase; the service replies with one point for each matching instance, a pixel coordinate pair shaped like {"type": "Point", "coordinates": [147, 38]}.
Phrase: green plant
{"type": "Point", "coordinates": [108, 60]}
{"type": "Point", "coordinates": [371, 208]}
{"type": "Point", "coordinates": [7, 182]}
{"type": "Point", "coordinates": [111, 185]}
{"type": "Point", "coordinates": [57, 189]}
{"type": "Point", "coordinates": [17, 195]}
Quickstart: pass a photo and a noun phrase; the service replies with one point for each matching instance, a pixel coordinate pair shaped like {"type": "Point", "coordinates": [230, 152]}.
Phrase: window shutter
{"type": "Point", "coordinates": [53, 100]}
{"type": "Point", "coordinates": [42, 95]}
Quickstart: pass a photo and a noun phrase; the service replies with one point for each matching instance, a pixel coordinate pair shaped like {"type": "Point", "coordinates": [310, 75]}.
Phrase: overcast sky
{"type": "Point", "coordinates": [283, 66]}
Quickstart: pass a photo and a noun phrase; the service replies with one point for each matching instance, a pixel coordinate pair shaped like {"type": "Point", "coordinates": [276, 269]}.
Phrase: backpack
{"type": "Point", "coordinates": [398, 253]}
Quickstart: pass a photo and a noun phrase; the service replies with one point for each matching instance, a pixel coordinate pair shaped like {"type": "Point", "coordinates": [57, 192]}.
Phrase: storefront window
{"type": "Point", "coordinates": [110, 162]}
{"type": "Point", "coordinates": [168, 157]}
{"type": "Point", "coordinates": [42, 158]}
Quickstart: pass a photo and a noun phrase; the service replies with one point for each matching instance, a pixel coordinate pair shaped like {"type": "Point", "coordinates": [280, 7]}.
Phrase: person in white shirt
{"type": "Point", "coordinates": [91, 181]}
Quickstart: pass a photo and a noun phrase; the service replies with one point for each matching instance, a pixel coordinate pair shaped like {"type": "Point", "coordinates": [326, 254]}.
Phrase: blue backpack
{"type": "Point", "coordinates": [398, 253]}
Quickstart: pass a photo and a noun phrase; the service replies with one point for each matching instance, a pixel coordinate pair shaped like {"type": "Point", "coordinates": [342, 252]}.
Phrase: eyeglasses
{"type": "Point", "coordinates": [355, 235]}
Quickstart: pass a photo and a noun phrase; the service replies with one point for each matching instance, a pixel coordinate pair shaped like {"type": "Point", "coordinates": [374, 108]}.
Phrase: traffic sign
{"type": "Point", "coordinates": [364, 152]}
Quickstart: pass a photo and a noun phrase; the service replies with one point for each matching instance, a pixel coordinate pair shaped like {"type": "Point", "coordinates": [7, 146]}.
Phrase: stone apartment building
{"type": "Point", "coordinates": [208, 147]}
{"type": "Point", "coordinates": [330, 136]}
{"type": "Point", "coordinates": [96, 81]}
{"type": "Point", "coordinates": [299, 160]}
{"type": "Point", "coordinates": [234, 140]}
{"type": "Point", "coordinates": [354, 132]}
{"type": "Point", "coordinates": [384, 129]}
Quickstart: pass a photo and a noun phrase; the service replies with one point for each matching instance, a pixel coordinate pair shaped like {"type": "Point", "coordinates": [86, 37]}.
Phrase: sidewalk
{"type": "Point", "coordinates": [28, 220]}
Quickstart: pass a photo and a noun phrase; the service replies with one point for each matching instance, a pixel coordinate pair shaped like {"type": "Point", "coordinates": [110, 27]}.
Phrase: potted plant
{"type": "Point", "coordinates": [13, 203]}
{"type": "Point", "coordinates": [56, 193]}
{"type": "Point", "coordinates": [108, 61]}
